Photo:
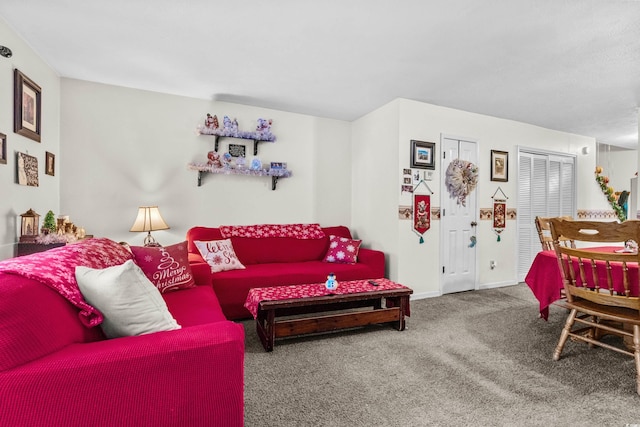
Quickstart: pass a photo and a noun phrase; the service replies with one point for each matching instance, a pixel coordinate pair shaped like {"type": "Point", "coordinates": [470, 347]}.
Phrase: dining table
{"type": "Point", "coordinates": [545, 281]}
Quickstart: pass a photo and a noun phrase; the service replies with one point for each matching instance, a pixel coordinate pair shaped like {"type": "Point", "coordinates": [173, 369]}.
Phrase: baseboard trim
{"type": "Point", "coordinates": [497, 284]}
{"type": "Point", "coordinates": [433, 294]}
{"type": "Point", "coordinates": [424, 295]}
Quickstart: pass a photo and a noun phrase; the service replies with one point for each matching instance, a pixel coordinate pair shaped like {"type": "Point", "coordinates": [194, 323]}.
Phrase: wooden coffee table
{"type": "Point", "coordinates": [329, 312]}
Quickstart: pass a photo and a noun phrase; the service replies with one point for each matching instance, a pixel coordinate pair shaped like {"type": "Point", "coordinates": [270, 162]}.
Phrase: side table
{"type": "Point", "coordinates": [32, 248]}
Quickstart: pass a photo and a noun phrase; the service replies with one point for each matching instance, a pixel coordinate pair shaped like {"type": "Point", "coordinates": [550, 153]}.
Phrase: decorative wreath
{"type": "Point", "coordinates": [461, 179]}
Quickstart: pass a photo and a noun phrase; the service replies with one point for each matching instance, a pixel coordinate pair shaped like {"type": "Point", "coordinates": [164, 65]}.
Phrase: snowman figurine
{"type": "Point", "coordinates": [331, 284]}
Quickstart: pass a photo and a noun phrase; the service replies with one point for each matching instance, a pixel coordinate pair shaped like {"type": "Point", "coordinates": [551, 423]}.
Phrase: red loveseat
{"type": "Point", "coordinates": [276, 261]}
{"type": "Point", "coordinates": [54, 371]}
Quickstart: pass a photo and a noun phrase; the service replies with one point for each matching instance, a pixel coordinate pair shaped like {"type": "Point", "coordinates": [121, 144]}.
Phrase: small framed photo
{"type": "Point", "coordinates": [3, 149]}
{"type": "Point", "coordinates": [50, 168]}
{"type": "Point", "coordinates": [278, 165]}
{"type": "Point", "coordinates": [406, 188]}
{"type": "Point", "coordinates": [26, 106]}
{"type": "Point", "coordinates": [499, 166]}
{"type": "Point", "coordinates": [423, 154]}
{"type": "Point", "coordinates": [237, 150]}
{"type": "Point", "coordinates": [27, 170]}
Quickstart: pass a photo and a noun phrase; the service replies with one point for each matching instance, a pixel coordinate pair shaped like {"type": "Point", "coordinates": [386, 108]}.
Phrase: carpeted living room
{"type": "Point", "coordinates": [226, 214]}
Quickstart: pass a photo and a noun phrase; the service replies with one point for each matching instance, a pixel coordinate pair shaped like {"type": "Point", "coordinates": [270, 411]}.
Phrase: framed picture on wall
{"type": "Point", "coordinates": [26, 170]}
{"type": "Point", "coordinates": [50, 164]}
{"type": "Point", "coordinates": [237, 150]}
{"type": "Point", "coordinates": [3, 149]}
{"type": "Point", "coordinates": [423, 154]}
{"type": "Point", "coordinates": [499, 166]}
{"type": "Point", "coordinates": [26, 106]}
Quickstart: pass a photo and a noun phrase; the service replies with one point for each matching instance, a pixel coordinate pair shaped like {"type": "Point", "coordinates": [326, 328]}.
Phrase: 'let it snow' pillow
{"type": "Point", "coordinates": [342, 250]}
{"type": "Point", "coordinates": [219, 254]}
{"type": "Point", "coordinates": [167, 267]}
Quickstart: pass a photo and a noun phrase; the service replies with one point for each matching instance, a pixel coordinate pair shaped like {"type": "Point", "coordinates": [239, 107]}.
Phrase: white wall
{"type": "Point", "coordinates": [619, 164]}
{"type": "Point", "coordinates": [394, 125]}
{"type": "Point", "coordinates": [16, 199]}
{"type": "Point", "coordinates": [375, 175]}
{"type": "Point", "coordinates": [125, 148]}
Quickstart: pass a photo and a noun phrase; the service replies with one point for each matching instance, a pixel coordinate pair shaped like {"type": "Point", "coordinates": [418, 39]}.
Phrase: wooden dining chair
{"type": "Point", "coordinates": [544, 233]}
{"type": "Point", "coordinates": [601, 285]}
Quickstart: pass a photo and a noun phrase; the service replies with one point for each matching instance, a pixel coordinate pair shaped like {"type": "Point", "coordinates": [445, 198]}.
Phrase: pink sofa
{"type": "Point", "coordinates": [54, 371]}
{"type": "Point", "coordinates": [275, 261]}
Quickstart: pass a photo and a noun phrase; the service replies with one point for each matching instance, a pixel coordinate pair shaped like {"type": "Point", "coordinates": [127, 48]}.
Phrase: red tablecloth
{"type": "Point", "coordinates": [277, 293]}
{"type": "Point", "coordinates": [545, 281]}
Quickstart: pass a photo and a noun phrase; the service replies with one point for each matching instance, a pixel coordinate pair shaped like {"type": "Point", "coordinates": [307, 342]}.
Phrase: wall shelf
{"type": "Point", "coordinates": [275, 174]}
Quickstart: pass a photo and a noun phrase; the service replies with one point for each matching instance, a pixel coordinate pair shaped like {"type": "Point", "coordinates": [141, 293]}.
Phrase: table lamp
{"type": "Point", "coordinates": [149, 219]}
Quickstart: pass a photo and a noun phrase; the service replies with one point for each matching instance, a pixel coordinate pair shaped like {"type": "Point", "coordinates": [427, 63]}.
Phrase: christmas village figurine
{"type": "Point", "coordinates": [230, 127]}
{"type": "Point", "coordinates": [211, 122]}
{"type": "Point", "coordinates": [214, 159]}
{"type": "Point", "coordinates": [49, 225]}
{"type": "Point", "coordinates": [263, 130]}
{"type": "Point", "coordinates": [331, 284]}
{"type": "Point", "coordinates": [264, 125]}
{"type": "Point", "coordinates": [256, 164]}
{"type": "Point", "coordinates": [241, 162]}
{"type": "Point", "coordinates": [226, 160]}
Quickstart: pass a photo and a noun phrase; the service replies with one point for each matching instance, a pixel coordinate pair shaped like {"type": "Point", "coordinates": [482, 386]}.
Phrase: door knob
{"type": "Point", "coordinates": [473, 223]}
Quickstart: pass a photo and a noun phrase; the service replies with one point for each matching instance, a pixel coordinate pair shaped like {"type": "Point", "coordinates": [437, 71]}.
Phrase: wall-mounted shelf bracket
{"type": "Point", "coordinates": [255, 143]}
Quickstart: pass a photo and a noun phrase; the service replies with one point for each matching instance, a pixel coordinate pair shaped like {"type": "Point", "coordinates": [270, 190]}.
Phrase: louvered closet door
{"type": "Point", "coordinates": [546, 187]}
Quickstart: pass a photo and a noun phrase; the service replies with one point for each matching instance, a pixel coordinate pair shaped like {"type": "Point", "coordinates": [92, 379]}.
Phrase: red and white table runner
{"type": "Point", "coordinates": [278, 293]}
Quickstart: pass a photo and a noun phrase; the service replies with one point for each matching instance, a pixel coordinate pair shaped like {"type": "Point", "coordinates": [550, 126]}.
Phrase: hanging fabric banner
{"type": "Point", "coordinates": [499, 212]}
{"type": "Point", "coordinates": [421, 214]}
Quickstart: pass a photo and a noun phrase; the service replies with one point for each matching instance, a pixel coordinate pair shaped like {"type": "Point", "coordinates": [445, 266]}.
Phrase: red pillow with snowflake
{"type": "Point", "coordinates": [342, 250]}
{"type": "Point", "coordinates": [167, 267]}
{"type": "Point", "coordinates": [219, 254]}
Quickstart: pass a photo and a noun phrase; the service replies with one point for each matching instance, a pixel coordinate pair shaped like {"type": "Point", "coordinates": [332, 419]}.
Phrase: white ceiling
{"type": "Point", "coordinates": [570, 65]}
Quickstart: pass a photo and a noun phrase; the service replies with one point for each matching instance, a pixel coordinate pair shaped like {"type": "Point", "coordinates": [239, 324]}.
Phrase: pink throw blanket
{"type": "Point", "coordinates": [56, 269]}
{"type": "Point", "coordinates": [296, 231]}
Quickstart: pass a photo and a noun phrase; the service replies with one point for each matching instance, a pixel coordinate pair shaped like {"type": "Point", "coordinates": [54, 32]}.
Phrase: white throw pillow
{"type": "Point", "coordinates": [130, 303]}
{"type": "Point", "coordinates": [219, 254]}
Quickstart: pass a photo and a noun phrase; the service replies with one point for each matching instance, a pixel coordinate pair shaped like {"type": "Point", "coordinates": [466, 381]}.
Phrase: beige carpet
{"type": "Point", "coordinates": [479, 358]}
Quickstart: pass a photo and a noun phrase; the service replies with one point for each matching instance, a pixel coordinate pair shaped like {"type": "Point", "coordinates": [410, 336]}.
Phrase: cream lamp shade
{"type": "Point", "coordinates": [149, 219]}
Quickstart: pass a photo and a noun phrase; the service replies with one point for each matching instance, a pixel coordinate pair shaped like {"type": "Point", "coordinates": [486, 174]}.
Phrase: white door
{"type": "Point", "coordinates": [457, 222]}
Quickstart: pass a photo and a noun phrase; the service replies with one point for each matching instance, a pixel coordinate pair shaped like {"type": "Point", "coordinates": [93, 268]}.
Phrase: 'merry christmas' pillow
{"type": "Point", "coordinates": [342, 250]}
{"type": "Point", "coordinates": [167, 267]}
{"type": "Point", "coordinates": [219, 254]}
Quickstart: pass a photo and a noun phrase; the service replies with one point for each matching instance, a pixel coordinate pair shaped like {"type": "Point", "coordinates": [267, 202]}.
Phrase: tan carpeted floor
{"type": "Point", "coordinates": [479, 358]}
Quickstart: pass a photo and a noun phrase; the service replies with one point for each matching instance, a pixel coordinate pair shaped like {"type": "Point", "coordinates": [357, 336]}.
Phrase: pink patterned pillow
{"type": "Point", "coordinates": [219, 254]}
{"type": "Point", "coordinates": [167, 267]}
{"type": "Point", "coordinates": [342, 250]}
